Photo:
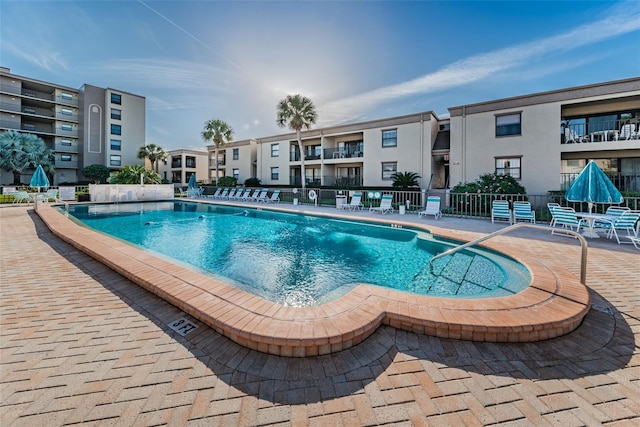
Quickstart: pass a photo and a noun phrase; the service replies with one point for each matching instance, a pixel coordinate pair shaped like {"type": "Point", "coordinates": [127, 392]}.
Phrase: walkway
{"type": "Point", "coordinates": [81, 345]}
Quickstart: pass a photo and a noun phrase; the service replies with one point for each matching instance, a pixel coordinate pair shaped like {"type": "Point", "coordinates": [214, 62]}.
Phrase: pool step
{"type": "Point", "coordinates": [457, 274]}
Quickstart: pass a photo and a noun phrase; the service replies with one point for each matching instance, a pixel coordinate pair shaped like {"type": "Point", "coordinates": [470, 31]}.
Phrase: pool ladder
{"type": "Point", "coordinates": [583, 245]}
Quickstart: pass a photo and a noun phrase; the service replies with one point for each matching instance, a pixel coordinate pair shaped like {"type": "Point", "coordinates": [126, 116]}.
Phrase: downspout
{"type": "Point", "coordinates": [421, 144]}
{"type": "Point", "coordinates": [464, 144]}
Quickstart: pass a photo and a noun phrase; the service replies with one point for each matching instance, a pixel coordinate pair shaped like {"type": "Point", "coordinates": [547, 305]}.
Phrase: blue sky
{"type": "Point", "coordinates": [357, 60]}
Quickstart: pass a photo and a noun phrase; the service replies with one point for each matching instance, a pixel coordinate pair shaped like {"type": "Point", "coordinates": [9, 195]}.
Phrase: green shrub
{"type": "Point", "coordinates": [493, 184]}
{"type": "Point", "coordinates": [252, 182]}
{"type": "Point", "coordinates": [227, 181]}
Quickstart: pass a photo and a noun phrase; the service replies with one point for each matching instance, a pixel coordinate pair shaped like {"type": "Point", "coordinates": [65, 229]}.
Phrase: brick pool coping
{"type": "Point", "coordinates": [553, 305]}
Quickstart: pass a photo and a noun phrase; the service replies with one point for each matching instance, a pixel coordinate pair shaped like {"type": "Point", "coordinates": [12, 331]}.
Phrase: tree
{"type": "Point", "coordinates": [20, 151]}
{"type": "Point", "coordinates": [97, 173]}
{"type": "Point", "coordinates": [297, 112]}
{"type": "Point", "coordinates": [152, 152]}
{"type": "Point", "coordinates": [131, 175]}
{"type": "Point", "coordinates": [219, 133]}
{"type": "Point", "coordinates": [405, 180]}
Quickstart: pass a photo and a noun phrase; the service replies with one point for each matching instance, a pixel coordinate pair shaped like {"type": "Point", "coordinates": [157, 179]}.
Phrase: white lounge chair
{"type": "Point", "coordinates": [385, 205]}
{"type": "Point", "coordinates": [262, 195]}
{"type": "Point", "coordinates": [565, 218]}
{"type": "Point", "coordinates": [356, 202]}
{"type": "Point", "coordinates": [21, 197]}
{"type": "Point", "coordinates": [51, 194]}
{"type": "Point", "coordinates": [274, 198]}
{"type": "Point", "coordinates": [522, 212]}
{"type": "Point", "coordinates": [223, 195]}
{"type": "Point", "coordinates": [231, 195]}
{"type": "Point", "coordinates": [432, 208]}
{"type": "Point", "coordinates": [216, 194]}
{"type": "Point", "coordinates": [500, 210]}
{"type": "Point", "coordinates": [625, 222]}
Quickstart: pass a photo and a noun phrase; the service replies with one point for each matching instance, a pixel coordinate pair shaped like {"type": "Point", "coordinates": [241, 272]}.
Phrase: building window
{"type": "Point", "coordinates": [115, 160]}
{"type": "Point", "coordinates": [509, 124]}
{"type": "Point", "coordinates": [28, 110]}
{"type": "Point", "coordinates": [65, 158]}
{"type": "Point", "coordinates": [275, 174]}
{"type": "Point", "coordinates": [116, 144]}
{"type": "Point", "coordinates": [275, 150]}
{"type": "Point", "coordinates": [66, 96]}
{"type": "Point", "coordinates": [390, 138]}
{"type": "Point", "coordinates": [508, 166]}
{"type": "Point", "coordinates": [236, 153]}
{"type": "Point", "coordinates": [28, 126]}
{"type": "Point", "coordinates": [116, 99]}
{"type": "Point", "coordinates": [236, 173]}
{"type": "Point", "coordinates": [116, 114]}
{"type": "Point", "coordinates": [66, 127]}
{"type": "Point", "coordinates": [190, 161]}
{"type": "Point", "coordinates": [66, 111]}
{"type": "Point", "coordinates": [388, 169]}
{"type": "Point", "coordinates": [116, 130]}
{"type": "Point", "coordinates": [176, 162]}
{"type": "Point", "coordinates": [65, 142]}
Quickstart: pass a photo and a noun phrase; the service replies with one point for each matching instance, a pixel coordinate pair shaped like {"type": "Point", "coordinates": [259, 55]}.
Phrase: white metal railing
{"type": "Point", "coordinates": [583, 245]}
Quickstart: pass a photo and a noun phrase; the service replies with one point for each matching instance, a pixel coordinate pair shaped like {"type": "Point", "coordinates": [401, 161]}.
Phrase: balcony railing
{"type": "Point", "coordinates": [66, 164]}
{"type": "Point", "coordinates": [66, 148]}
{"type": "Point", "coordinates": [295, 157]}
{"type": "Point", "coordinates": [342, 153]}
{"type": "Point", "coordinates": [622, 181]}
{"type": "Point", "coordinates": [37, 94]}
{"type": "Point", "coordinates": [602, 131]}
{"type": "Point", "coordinates": [348, 181]}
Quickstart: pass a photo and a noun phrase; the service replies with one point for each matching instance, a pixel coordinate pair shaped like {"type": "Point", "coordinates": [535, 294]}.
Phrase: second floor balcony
{"type": "Point", "coordinates": [585, 131]}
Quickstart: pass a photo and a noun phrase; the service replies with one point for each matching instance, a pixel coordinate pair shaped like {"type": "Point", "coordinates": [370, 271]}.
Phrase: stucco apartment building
{"type": "Point", "coordinates": [84, 126]}
{"type": "Point", "coordinates": [180, 164]}
{"type": "Point", "coordinates": [237, 159]}
{"type": "Point", "coordinates": [542, 139]}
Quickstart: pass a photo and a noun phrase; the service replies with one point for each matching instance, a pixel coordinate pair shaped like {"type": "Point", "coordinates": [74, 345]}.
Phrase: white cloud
{"type": "Point", "coordinates": [620, 21]}
{"type": "Point", "coordinates": [39, 56]}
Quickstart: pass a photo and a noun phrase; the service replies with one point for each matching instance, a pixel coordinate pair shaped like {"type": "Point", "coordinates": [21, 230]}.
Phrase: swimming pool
{"type": "Point", "coordinates": [302, 260]}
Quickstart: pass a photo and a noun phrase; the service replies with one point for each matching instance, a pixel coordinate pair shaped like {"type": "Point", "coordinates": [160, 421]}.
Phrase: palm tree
{"type": "Point", "coordinates": [405, 180]}
{"type": "Point", "coordinates": [219, 133]}
{"type": "Point", "coordinates": [20, 151]}
{"type": "Point", "coordinates": [152, 152]}
{"type": "Point", "coordinates": [130, 174]}
{"type": "Point", "coordinates": [297, 112]}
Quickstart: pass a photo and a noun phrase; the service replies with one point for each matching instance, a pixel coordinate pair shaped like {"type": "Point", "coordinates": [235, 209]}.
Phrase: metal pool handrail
{"type": "Point", "coordinates": [583, 245]}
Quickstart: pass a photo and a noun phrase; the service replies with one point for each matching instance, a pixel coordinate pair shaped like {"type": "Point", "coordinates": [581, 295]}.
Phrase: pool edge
{"type": "Point", "coordinates": [555, 295]}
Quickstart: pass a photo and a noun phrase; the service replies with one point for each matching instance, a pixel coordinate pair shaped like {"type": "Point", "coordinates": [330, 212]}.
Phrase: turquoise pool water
{"type": "Point", "coordinates": [302, 260]}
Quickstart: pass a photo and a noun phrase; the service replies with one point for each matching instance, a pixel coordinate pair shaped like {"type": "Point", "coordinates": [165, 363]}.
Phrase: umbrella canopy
{"type": "Point", "coordinates": [192, 181]}
{"type": "Point", "coordinates": [39, 178]}
{"type": "Point", "coordinates": [593, 186]}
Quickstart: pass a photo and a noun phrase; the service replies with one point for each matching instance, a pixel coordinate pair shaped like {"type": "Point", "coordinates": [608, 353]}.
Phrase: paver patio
{"type": "Point", "coordinates": [81, 345]}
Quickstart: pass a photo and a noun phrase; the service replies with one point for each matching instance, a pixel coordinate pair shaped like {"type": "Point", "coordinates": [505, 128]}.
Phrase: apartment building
{"type": "Point", "coordinates": [84, 126]}
{"type": "Point", "coordinates": [545, 139]}
{"type": "Point", "coordinates": [353, 155]}
{"type": "Point", "coordinates": [237, 159]}
{"type": "Point", "coordinates": [180, 164]}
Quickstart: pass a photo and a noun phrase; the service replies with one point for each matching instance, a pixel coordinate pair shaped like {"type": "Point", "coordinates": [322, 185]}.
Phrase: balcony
{"type": "Point", "coordinates": [622, 181]}
{"type": "Point", "coordinates": [66, 148]}
{"type": "Point", "coordinates": [66, 164]}
{"type": "Point", "coordinates": [349, 181]}
{"type": "Point", "coordinates": [600, 131]}
{"type": "Point", "coordinates": [31, 93]}
{"type": "Point", "coordinates": [343, 153]}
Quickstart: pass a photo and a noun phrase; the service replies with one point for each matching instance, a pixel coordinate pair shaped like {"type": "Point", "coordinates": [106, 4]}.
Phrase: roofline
{"type": "Point", "coordinates": [6, 71]}
{"type": "Point", "coordinates": [353, 127]}
{"type": "Point", "coordinates": [567, 94]}
{"type": "Point", "coordinates": [187, 151]}
{"type": "Point", "coordinates": [232, 144]}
